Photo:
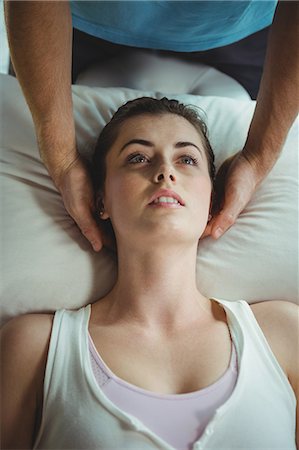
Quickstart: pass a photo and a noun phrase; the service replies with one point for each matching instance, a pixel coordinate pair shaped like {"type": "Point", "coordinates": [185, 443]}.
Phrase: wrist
{"type": "Point", "coordinates": [264, 144]}
{"type": "Point", "coordinates": [261, 159]}
{"type": "Point", "coordinates": [58, 165]}
{"type": "Point", "coordinates": [58, 151]}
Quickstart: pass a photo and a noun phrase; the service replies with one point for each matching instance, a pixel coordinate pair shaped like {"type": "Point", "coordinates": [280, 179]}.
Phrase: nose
{"type": "Point", "coordinates": [164, 173]}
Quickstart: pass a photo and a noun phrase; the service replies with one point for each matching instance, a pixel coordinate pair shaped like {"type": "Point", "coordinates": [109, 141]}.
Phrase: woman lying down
{"type": "Point", "coordinates": [154, 364]}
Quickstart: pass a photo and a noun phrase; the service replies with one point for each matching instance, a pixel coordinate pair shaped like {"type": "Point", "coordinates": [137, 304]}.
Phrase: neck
{"type": "Point", "coordinates": [156, 287]}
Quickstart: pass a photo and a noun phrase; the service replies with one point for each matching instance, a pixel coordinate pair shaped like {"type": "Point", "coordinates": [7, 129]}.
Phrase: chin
{"type": "Point", "coordinates": [164, 228]}
{"type": "Point", "coordinates": [173, 231]}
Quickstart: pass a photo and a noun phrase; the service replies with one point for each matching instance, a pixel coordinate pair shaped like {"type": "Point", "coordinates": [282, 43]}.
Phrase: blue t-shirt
{"type": "Point", "coordinates": [183, 26]}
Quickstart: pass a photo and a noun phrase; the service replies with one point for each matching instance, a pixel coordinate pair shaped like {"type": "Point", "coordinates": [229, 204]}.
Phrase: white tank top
{"type": "Point", "coordinates": [178, 419]}
{"type": "Point", "coordinates": [260, 413]}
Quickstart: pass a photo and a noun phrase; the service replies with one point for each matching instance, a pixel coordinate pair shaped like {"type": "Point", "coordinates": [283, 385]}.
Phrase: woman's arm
{"type": "Point", "coordinates": [24, 348]}
{"type": "Point", "coordinates": [279, 322]}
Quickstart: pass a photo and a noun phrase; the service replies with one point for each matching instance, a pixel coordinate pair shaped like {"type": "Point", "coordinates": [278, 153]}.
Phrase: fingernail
{"type": "Point", "coordinates": [96, 246]}
{"type": "Point", "coordinates": [218, 233]}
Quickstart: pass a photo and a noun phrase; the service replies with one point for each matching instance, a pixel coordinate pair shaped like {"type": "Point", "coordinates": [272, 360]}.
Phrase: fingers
{"type": "Point", "coordinates": [235, 184]}
{"type": "Point", "coordinates": [207, 231]}
{"type": "Point", "coordinates": [90, 230]}
{"type": "Point", "coordinates": [78, 197]}
{"type": "Point", "coordinates": [82, 212]}
{"type": "Point", "coordinates": [222, 222]}
{"type": "Point", "coordinates": [235, 202]}
{"type": "Point", "coordinates": [83, 217]}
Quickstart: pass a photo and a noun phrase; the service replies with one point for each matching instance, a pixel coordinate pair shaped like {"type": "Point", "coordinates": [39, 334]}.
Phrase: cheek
{"type": "Point", "coordinates": [120, 190]}
{"type": "Point", "coordinates": [202, 198]}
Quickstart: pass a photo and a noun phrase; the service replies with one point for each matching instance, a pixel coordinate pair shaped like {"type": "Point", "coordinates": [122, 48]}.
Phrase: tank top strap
{"type": "Point", "coordinates": [67, 346]}
{"type": "Point", "coordinates": [251, 344]}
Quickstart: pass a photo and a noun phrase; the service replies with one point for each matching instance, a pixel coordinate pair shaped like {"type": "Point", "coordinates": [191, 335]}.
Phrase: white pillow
{"type": "Point", "coordinates": [45, 262]}
{"type": "Point", "coordinates": [146, 70]}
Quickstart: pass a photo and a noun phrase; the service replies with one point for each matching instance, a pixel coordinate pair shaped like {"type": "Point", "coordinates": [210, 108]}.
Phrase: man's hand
{"type": "Point", "coordinates": [235, 184]}
{"type": "Point", "coordinates": [76, 188]}
{"type": "Point", "coordinates": [275, 112]}
{"type": "Point", "coordinates": [40, 39]}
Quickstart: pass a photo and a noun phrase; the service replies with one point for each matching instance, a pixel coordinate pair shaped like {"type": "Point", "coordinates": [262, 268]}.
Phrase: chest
{"type": "Point", "coordinates": [175, 364]}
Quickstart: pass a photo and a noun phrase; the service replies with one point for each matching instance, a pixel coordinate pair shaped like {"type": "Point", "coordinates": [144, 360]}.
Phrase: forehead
{"type": "Point", "coordinates": [159, 126]}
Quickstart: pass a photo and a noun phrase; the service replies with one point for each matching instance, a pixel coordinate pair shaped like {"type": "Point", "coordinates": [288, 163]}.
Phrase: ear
{"type": "Point", "coordinates": [100, 208]}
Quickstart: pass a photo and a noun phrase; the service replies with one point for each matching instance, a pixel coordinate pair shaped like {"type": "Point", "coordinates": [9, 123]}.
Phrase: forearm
{"type": "Point", "coordinates": [278, 99]}
{"type": "Point", "coordinates": [40, 39]}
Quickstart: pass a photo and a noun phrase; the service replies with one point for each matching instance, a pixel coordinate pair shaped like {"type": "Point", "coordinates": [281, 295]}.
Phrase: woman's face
{"type": "Point", "coordinates": [157, 186]}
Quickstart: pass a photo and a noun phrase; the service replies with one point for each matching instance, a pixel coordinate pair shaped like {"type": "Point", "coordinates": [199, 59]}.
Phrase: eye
{"type": "Point", "coordinates": [137, 158]}
{"type": "Point", "coordinates": [190, 160]}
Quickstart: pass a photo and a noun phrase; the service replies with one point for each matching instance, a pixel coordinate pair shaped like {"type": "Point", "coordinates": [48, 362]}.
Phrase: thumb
{"type": "Point", "coordinates": [207, 231]}
{"type": "Point", "coordinates": [226, 217]}
{"type": "Point", "coordinates": [90, 230]}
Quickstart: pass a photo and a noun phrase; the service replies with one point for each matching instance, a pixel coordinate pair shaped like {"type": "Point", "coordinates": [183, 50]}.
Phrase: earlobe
{"type": "Point", "coordinates": [101, 208]}
{"type": "Point", "coordinates": [103, 215]}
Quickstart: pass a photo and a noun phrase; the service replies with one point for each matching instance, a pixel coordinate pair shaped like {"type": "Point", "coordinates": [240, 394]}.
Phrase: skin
{"type": "Point", "coordinates": [276, 109]}
{"type": "Point", "coordinates": [155, 300]}
{"type": "Point", "coordinates": [39, 34]}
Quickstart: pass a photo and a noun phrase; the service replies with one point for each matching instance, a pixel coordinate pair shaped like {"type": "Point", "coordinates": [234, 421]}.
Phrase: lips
{"type": "Point", "coordinates": [167, 193]}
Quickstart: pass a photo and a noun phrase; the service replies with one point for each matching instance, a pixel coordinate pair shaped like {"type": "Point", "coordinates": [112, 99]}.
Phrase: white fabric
{"type": "Point", "coordinates": [260, 413]}
{"type": "Point", "coordinates": [142, 70]}
{"type": "Point", "coordinates": [45, 262]}
{"type": "Point", "coordinates": [177, 419]}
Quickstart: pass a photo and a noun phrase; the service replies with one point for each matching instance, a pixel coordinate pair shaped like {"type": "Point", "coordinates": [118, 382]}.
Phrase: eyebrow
{"type": "Point", "coordinates": [146, 143]}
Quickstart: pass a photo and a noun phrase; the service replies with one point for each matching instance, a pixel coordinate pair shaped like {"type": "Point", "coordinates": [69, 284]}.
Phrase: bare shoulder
{"type": "Point", "coordinates": [28, 325]}
{"type": "Point", "coordinates": [26, 337]}
{"type": "Point", "coordinates": [277, 317]}
{"type": "Point", "coordinates": [24, 350]}
{"type": "Point", "coordinates": [279, 321]}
